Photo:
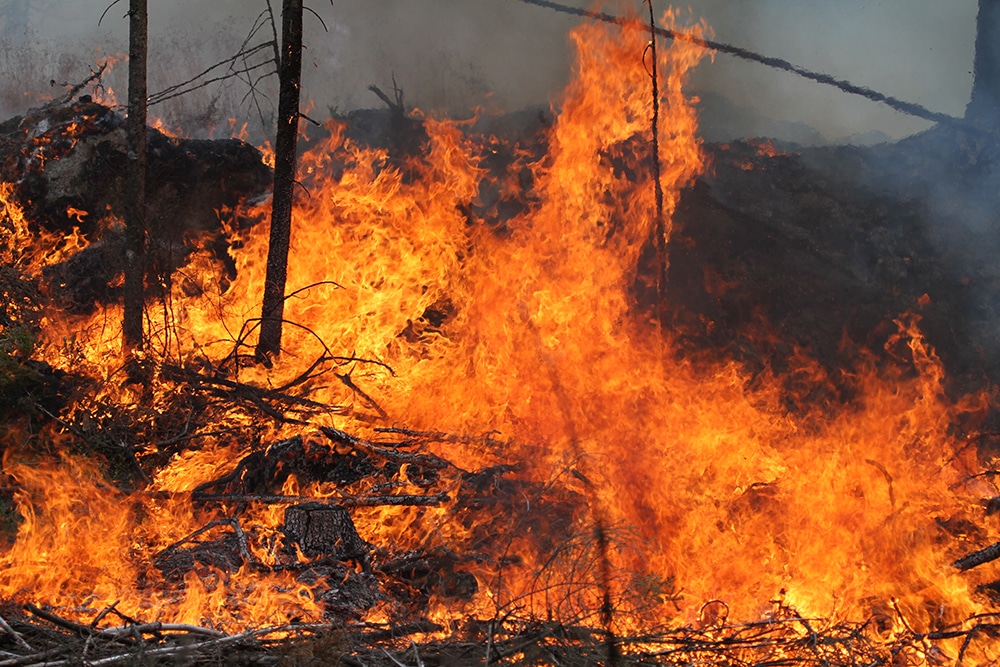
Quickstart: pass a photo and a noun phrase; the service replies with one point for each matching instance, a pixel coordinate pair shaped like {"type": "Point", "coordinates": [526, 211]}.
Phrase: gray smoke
{"type": "Point", "coordinates": [916, 50]}
{"type": "Point", "coordinates": [453, 55]}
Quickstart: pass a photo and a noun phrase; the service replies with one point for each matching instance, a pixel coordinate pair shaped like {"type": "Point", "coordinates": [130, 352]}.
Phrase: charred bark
{"type": "Point", "coordinates": [977, 558]}
{"type": "Point", "coordinates": [984, 105]}
{"type": "Point", "coordinates": [135, 183]}
{"type": "Point", "coordinates": [320, 529]}
{"type": "Point", "coordinates": [290, 73]}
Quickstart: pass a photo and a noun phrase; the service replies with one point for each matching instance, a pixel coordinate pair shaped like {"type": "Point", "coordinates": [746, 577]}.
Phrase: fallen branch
{"type": "Point", "coordinates": [17, 637]}
{"type": "Point", "coordinates": [980, 557]}
{"type": "Point", "coordinates": [239, 391]}
{"type": "Point", "coordinates": [77, 628]}
{"type": "Point", "coordinates": [349, 383]}
{"type": "Point", "coordinates": [159, 628]}
{"type": "Point", "coordinates": [343, 501]}
{"type": "Point", "coordinates": [428, 461]}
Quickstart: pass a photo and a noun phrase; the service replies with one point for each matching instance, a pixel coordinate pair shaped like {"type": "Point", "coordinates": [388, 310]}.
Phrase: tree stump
{"type": "Point", "coordinates": [320, 529]}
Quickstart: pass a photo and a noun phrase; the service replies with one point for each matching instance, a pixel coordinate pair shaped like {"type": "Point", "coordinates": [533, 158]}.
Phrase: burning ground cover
{"type": "Point", "coordinates": [490, 428]}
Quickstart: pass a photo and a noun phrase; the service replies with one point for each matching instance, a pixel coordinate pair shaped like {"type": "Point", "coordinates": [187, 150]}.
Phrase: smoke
{"type": "Point", "coordinates": [916, 50]}
{"type": "Point", "coordinates": [454, 55]}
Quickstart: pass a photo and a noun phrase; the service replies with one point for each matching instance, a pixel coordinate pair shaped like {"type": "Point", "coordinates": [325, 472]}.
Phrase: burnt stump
{"type": "Point", "coordinates": [320, 529]}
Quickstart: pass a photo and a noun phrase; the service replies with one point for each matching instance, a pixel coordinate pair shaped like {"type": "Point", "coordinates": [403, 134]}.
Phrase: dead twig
{"type": "Point", "coordinates": [17, 637]}
{"type": "Point", "coordinates": [76, 88]}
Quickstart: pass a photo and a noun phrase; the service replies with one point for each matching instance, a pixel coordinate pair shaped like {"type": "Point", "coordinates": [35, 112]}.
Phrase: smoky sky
{"type": "Point", "coordinates": [454, 55]}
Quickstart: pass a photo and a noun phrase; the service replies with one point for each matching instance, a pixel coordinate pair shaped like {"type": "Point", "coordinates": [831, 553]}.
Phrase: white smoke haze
{"type": "Point", "coordinates": [454, 55]}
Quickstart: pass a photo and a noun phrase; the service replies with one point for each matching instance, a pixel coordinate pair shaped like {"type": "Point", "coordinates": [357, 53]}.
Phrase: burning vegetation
{"type": "Point", "coordinates": [492, 430]}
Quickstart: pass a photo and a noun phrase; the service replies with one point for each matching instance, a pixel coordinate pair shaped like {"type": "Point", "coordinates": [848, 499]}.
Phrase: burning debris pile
{"type": "Point", "coordinates": [492, 430]}
{"type": "Point", "coordinates": [66, 164]}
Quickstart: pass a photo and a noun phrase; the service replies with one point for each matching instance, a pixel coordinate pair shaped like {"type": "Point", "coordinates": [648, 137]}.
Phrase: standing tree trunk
{"type": "Point", "coordinates": [984, 105]}
{"type": "Point", "coordinates": [290, 73]}
{"type": "Point", "coordinates": [135, 180]}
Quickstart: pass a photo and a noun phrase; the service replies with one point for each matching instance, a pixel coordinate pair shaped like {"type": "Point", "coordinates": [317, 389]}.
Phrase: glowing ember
{"type": "Point", "coordinates": [523, 333]}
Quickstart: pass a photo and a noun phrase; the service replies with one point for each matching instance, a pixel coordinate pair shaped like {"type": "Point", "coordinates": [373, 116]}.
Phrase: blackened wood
{"type": "Point", "coordinates": [290, 73]}
{"type": "Point", "coordinates": [323, 530]}
{"type": "Point", "coordinates": [980, 557]}
{"type": "Point", "coordinates": [135, 184]}
{"type": "Point", "coordinates": [75, 156]}
{"type": "Point", "coordinates": [428, 461]}
{"type": "Point", "coordinates": [66, 624]}
{"type": "Point", "coordinates": [343, 501]}
{"type": "Point", "coordinates": [661, 226]}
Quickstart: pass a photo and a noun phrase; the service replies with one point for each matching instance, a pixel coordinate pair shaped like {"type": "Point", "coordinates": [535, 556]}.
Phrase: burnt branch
{"type": "Point", "coordinates": [191, 536]}
{"type": "Point", "coordinates": [345, 378]}
{"type": "Point", "coordinates": [428, 461]}
{"type": "Point", "coordinates": [395, 105]}
{"type": "Point", "coordinates": [197, 82]}
{"type": "Point", "coordinates": [64, 623]}
{"type": "Point", "coordinates": [16, 635]}
{"type": "Point", "coordinates": [661, 226]}
{"type": "Point", "coordinates": [77, 87]}
{"type": "Point", "coordinates": [106, 10]}
{"type": "Point", "coordinates": [262, 398]}
{"type": "Point", "coordinates": [342, 500]}
{"type": "Point", "coordinates": [978, 558]}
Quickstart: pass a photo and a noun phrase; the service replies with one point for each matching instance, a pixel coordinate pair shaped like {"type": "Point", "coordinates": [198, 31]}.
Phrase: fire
{"type": "Point", "coordinates": [766, 148]}
{"type": "Point", "coordinates": [421, 308]}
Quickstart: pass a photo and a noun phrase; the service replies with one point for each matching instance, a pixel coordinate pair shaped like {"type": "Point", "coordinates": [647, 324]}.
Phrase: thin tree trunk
{"type": "Point", "coordinates": [135, 180]}
{"type": "Point", "coordinates": [984, 105]}
{"type": "Point", "coordinates": [290, 74]}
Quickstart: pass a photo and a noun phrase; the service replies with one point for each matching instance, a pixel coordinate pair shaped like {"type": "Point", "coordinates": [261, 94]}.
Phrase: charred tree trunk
{"type": "Point", "coordinates": [290, 73]}
{"type": "Point", "coordinates": [135, 183]}
{"type": "Point", "coordinates": [984, 105]}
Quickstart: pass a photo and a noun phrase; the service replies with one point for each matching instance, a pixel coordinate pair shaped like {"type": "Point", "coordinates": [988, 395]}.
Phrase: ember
{"type": "Point", "coordinates": [486, 430]}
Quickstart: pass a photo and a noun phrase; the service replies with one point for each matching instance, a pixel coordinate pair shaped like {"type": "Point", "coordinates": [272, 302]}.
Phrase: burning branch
{"type": "Point", "coordinates": [342, 500]}
{"type": "Point", "coordinates": [260, 397]}
{"type": "Point", "coordinates": [76, 88]}
{"type": "Point", "coordinates": [977, 558]}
